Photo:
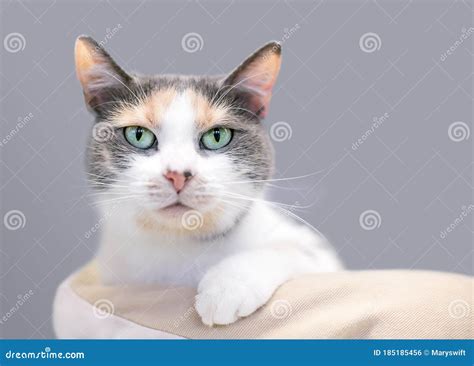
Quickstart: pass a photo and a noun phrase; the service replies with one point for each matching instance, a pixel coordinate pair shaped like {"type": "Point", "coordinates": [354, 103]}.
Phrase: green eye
{"type": "Point", "coordinates": [216, 138]}
{"type": "Point", "coordinates": [139, 137]}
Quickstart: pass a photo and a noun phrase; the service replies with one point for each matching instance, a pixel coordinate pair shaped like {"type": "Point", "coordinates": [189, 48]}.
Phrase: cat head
{"type": "Point", "coordinates": [181, 154]}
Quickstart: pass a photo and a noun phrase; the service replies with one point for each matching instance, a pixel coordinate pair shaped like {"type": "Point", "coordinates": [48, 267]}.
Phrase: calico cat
{"type": "Point", "coordinates": [179, 165]}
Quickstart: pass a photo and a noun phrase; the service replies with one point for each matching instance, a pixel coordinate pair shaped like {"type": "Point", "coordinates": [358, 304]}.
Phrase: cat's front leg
{"type": "Point", "coordinates": [239, 285]}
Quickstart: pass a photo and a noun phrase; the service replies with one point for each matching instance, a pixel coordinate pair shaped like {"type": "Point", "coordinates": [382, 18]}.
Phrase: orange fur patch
{"type": "Point", "coordinates": [84, 60]}
{"type": "Point", "coordinates": [206, 115]}
{"type": "Point", "coordinates": [149, 113]}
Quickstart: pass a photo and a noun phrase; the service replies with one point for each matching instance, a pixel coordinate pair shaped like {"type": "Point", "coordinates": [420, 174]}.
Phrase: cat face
{"type": "Point", "coordinates": [173, 149]}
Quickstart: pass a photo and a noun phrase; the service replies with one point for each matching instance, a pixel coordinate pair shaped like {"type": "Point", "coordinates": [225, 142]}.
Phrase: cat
{"type": "Point", "coordinates": [179, 166]}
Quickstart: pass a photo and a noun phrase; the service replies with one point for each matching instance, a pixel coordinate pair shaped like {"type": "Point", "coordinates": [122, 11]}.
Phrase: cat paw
{"type": "Point", "coordinates": [223, 299]}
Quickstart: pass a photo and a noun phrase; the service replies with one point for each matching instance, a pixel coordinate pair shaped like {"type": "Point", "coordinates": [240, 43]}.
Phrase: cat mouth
{"type": "Point", "coordinates": [175, 208]}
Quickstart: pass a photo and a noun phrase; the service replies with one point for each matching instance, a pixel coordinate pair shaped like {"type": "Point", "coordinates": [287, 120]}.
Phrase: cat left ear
{"type": "Point", "coordinates": [97, 72]}
{"type": "Point", "coordinates": [256, 77]}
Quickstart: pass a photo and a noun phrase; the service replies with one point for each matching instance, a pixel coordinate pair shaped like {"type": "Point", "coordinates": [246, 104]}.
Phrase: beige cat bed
{"type": "Point", "coordinates": [368, 304]}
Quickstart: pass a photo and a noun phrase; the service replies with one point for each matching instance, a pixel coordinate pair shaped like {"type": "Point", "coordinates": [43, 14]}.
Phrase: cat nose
{"type": "Point", "coordinates": [177, 179]}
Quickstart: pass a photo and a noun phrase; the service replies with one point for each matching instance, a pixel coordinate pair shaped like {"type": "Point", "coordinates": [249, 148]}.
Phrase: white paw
{"type": "Point", "coordinates": [222, 299]}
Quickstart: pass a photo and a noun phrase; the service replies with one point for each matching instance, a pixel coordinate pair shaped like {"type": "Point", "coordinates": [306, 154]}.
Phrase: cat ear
{"type": "Point", "coordinates": [97, 72]}
{"type": "Point", "coordinates": [256, 77]}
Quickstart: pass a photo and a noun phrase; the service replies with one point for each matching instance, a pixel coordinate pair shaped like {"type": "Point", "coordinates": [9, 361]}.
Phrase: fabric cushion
{"type": "Point", "coordinates": [349, 304]}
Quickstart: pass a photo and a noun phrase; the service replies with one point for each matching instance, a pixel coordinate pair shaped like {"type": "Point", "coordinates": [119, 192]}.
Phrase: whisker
{"type": "Point", "coordinates": [275, 179]}
{"type": "Point", "coordinates": [237, 84]}
{"type": "Point", "coordinates": [243, 109]}
{"type": "Point", "coordinates": [279, 204]}
{"type": "Point", "coordinates": [284, 188]}
{"type": "Point", "coordinates": [304, 222]}
{"type": "Point", "coordinates": [123, 198]}
{"type": "Point", "coordinates": [121, 82]}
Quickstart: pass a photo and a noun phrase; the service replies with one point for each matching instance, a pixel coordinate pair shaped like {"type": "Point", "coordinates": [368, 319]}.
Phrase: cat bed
{"type": "Point", "coordinates": [366, 304]}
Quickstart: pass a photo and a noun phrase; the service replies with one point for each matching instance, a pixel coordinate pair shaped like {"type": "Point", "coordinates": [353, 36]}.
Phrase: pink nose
{"type": "Point", "coordinates": [178, 180]}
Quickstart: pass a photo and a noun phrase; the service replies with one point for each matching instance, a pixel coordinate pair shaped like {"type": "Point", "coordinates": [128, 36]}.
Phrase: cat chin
{"type": "Point", "coordinates": [180, 220]}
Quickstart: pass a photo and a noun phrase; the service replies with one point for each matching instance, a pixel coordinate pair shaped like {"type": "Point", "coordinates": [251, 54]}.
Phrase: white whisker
{"type": "Point", "coordinates": [236, 85]}
{"type": "Point", "coordinates": [274, 179]}
{"type": "Point", "coordinates": [121, 82]}
{"type": "Point", "coordinates": [252, 199]}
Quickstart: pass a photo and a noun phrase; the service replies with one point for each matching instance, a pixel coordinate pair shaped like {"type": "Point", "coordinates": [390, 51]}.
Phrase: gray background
{"type": "Point", "coordinates": [410, 171]}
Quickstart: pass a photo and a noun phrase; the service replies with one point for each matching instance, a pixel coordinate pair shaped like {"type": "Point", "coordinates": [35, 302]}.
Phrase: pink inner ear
{"type": "Point", "coordinates": [100, 76]}
{"type": "Point", "coordinates": [259, 105]}
{"type": "Point", "coordinates": [260, 88]}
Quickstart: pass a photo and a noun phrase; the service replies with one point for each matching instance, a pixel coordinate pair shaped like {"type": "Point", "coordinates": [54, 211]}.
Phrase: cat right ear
{"type": "Point", "coordinates": [97, 72]}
